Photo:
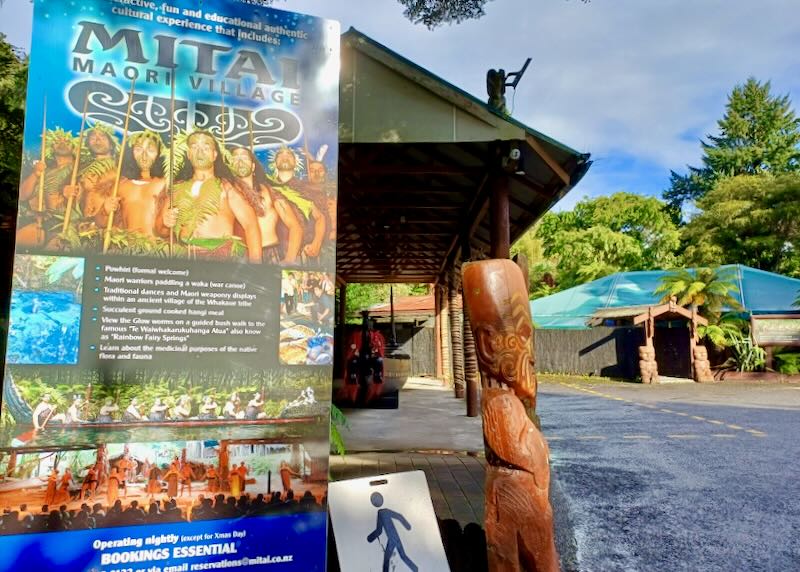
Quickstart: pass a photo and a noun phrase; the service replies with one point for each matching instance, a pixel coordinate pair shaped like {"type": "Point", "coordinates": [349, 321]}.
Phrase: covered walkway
{"type": "Point", "coordinates": [431, 177]}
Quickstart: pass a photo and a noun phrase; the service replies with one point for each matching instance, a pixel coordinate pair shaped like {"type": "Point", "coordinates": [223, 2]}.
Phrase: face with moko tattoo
{"type": "Point", "coordinates": [202, 151]}
{"type": "Point", "coordinates": [145, 152]}
{"type": "Point", "coordinates": [241, 162]}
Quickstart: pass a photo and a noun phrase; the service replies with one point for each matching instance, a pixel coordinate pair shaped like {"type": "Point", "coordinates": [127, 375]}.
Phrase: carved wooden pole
{"type": "Point", "coordinates": [471, 373]}
{"type": "Point", "coordinates": [447, 349]}
{"type": "Point", "coordinates": [518, 515]}
{"type": "Point", "coordinates": [437, 329]}
{"type": "Point", "coordinates": [456, 335]}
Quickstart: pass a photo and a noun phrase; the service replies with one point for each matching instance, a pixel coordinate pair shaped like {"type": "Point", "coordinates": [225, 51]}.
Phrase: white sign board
{"type": "Point", "coordinates": [386, 523]}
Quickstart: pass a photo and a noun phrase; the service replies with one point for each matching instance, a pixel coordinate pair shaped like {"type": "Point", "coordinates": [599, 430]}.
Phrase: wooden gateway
{"type": "Point", "coordinates": [696, 363]}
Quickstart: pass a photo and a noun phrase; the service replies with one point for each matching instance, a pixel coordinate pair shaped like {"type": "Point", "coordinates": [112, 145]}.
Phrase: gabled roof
{"type": "Point", "coordinates": [444, 89]}
{"type": "Point", "coordinates": [415, 155]}
{"type": "Point", "coordinates": [760, 292]}
{"type": "Point", "coordinates": [640, 314]}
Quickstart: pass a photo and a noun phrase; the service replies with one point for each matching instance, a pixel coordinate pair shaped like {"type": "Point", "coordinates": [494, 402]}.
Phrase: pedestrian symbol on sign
{"type": "Point", "coordinates": [385, 524]}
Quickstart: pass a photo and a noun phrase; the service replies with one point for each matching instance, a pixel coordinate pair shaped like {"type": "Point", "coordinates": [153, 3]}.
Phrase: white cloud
{"type": "Point", "coordinates": [644, 78]}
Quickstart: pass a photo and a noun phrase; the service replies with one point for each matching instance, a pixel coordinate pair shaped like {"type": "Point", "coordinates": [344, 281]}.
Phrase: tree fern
{"type": "Point", "coordinates": [707, 288]}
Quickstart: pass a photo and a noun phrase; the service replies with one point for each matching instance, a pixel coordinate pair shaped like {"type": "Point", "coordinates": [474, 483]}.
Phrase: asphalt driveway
{"type": "Point", "coordinates": [675, 477]}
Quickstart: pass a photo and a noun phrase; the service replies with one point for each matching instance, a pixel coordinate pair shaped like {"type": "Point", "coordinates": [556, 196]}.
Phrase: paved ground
{"type": "Point", "coordinates": [677, 477]}
{"type": "Point", "coordinates": [668, 477]}
{"type": "Point", "coordinates": [455, 480]}
{"type": "Point", "coordinates": [429, 418]}
{"type": "Point", "coordinates": [429, 432]}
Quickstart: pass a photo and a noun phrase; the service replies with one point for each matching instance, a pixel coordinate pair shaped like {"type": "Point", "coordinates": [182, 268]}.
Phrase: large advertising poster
{"type": "Point", "coordinates": [167, 377]}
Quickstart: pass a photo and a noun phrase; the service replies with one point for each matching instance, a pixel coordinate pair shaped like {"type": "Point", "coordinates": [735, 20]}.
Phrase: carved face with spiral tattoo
{"type": "Point", "coordinates": [507, 356]}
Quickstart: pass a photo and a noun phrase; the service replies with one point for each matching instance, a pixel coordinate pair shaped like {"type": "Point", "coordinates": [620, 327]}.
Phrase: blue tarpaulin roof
{"type": "Point", "coordinates": [760, 292]}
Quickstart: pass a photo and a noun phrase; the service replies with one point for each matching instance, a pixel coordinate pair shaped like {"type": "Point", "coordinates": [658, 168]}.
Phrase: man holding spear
{"type": "Point", "coordinates": [141, 184]}
{"type": "Point", "coordinates": [51, 175]}
{"type": "Point", "coordinates": [96, 178]}
{"type": "Point", "coordinates": [250, 173]}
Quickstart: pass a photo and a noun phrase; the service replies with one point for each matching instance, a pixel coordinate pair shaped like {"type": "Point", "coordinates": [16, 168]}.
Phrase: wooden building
{"type": "Point", "coordinates": [431, 176]}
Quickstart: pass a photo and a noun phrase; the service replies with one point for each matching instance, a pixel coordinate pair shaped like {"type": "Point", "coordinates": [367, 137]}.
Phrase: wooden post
{"type": "Point", "coordinates": [447, 349]}
{"type": "Point", "coordinates": [500, 225]}
{"type": "Point", "coordinates": [342, 328]}
{"type": "Point", "coordinates": [437, 330]}
{"type": "Point", "coordinates": [471, 371]}
{"type": "Point", "coordinates": [12, 463]}
{"type": "Point", "coordinates": [456, 335]}
{"type": "Point", "coordinates": [522, 261]}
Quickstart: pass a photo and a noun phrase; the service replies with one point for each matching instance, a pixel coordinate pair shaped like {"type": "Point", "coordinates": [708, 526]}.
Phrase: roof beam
{"type": "Point", "coordinates": [474, 208]}
{"type": "Point", "coordinates": [418, 170]}
{"type": "Point", "coordinates": [547, 158]}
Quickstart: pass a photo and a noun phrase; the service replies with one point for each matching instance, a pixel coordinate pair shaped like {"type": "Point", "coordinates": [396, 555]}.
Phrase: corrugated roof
{"type": "Point", "coordinates": [760, 292]}
{"type": "Point", "coordinates": [408, 305]}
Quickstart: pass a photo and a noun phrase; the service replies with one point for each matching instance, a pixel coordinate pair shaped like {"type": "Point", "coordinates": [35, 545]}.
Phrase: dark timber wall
{"type": "Point", "coordinates": [416, 341]}
{"type": "Point", "coordinates": [610, 352]}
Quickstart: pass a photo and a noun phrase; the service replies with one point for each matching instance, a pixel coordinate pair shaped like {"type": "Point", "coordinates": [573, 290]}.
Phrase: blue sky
{"type": "Point", "coordinates": [636, 83]}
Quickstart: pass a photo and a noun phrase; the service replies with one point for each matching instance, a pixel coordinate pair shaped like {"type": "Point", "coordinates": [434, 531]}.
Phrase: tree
{"type": "Point", "coordinates": [707, 289]}
{"type": "Point", "coordinates": [749, 219]}
{"type": "Point", "coordinates": [759, 133]}
{"type": "Point", "coordinates": [362, 296]}
{"type": "Point", "coordinates": [433, 13]}
{"type": "Point", "coordinates": [609, 234]}
{"type": "Point", "coordinates": [13, 81]}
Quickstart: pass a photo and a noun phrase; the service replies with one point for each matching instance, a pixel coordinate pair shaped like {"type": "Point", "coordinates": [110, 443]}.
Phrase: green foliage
{"type": "Point", "coordinates": [707, 288]}
{"type": "Point", "coordinates": [788, 362]}
{"type": "Point", "coordinates": [362, 296]}
{"type": "Point", "coordinates": [729, 327]}
{"type": "Point", "coordinates": [759, 133]}
{"type": "Point", "coordinates": [747, 355]}
{"type": "Point", "coordinates": [88, 237]}
{"type": "Point", "coordinates": [733, 333]}
{"type": "Point", "coordinates": [13, 81]}
{"type": "Point", "coordinates": [338, 423]}
{"type": "Point", "coordinates": [48, 273]}
{"type": "Point", "coordinates": [748, 219]}
{"type": "Point", "coordinates": [193, 211]}
{"type": "Point", "coordinates": [606, 235]}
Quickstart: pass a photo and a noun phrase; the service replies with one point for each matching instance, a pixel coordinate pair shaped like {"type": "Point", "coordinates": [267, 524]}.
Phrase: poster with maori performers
{"type": "Point", "coordinates": [167, 378]}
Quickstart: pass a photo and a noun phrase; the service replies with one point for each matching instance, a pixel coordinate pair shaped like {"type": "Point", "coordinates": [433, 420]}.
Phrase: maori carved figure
{"type": "Point", "coordinates": [647, 364]}
{"type": "Point", "coordinates": [518, 515]}
{"type": "Point", "coordinates": [702, 367]}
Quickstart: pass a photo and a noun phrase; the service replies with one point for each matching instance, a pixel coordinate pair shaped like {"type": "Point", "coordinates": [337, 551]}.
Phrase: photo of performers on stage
{"type": "Point", "coordinates": [124, 484]}
{"type": "Point", "coordinates": [191, 196]}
